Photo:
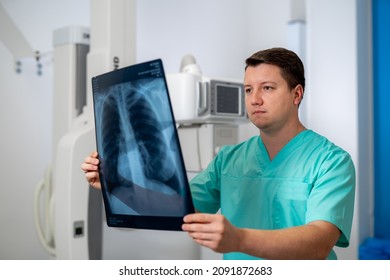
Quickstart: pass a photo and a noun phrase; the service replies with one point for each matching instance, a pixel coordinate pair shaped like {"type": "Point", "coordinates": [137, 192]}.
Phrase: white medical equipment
{"type": "Point", "coordinates": [72, 209]}
{"type": "Point", "coordinates": [200, 99]}
{"type": "Point", "coordinates": [207, 110]}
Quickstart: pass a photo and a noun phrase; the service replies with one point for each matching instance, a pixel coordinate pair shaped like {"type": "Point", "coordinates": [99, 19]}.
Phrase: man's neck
{"type": "Point", "coordinates": [275, 141]}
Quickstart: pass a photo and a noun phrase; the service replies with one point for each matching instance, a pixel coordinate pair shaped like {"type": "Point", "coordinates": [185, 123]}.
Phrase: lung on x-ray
{"type": "Point", "coordinates": [144, 181]}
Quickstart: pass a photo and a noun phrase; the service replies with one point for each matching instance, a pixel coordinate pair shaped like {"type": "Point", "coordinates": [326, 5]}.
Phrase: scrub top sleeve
{"type": "Point", "coordinates": [205, 187]}
{"type": "Point", "coordinates": [333, 194]}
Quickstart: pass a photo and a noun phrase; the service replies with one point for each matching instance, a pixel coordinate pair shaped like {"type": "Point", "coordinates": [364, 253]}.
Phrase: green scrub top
{"type": "Point", "coordinates": [309, 179]}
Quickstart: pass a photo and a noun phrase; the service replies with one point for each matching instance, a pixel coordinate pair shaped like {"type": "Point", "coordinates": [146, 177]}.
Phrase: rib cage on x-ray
{"type": "Point", "coordinates": [136, 148]}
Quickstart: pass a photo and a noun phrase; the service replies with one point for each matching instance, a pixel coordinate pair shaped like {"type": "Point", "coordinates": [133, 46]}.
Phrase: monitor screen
{"type": "Point", "coordinates": [228, 99]}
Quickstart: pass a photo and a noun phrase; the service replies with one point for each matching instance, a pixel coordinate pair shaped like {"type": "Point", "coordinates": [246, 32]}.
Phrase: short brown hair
{"type": "Point", "coordinates": [291, 66]}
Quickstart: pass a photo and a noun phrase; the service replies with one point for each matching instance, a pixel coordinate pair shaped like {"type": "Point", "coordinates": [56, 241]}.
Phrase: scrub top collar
{"type": "Point", "coordinates": [263, 158]}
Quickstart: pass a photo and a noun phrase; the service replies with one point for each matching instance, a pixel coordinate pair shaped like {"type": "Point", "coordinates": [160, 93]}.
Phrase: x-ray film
{"type": "Point", "coordinates": [144, 181]}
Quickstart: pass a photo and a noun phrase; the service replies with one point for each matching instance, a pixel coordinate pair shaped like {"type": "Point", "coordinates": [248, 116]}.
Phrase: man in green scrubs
{"type": "Point", "coordinates": [287, 193]}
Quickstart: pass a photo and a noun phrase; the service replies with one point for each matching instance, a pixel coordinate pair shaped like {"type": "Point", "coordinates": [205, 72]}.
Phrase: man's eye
{"type": "Point", "coordinates": [267, 88]}
{"type": "Point", "coordinates": [248, 90]}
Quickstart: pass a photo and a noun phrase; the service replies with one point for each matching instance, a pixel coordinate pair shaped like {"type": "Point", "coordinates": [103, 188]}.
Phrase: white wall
{"type": "Point", "coordinates": [220, 33]}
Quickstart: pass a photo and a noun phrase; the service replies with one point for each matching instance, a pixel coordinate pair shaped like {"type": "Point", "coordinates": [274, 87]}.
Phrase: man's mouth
{"type": "Point", "coordinates": [258, 112]}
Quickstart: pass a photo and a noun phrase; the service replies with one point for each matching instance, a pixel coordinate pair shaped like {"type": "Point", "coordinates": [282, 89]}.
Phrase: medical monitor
{"type": "Point", "coordinates": [142, 172]}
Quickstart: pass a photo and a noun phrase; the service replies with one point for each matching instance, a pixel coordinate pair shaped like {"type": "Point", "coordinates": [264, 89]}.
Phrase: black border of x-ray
{"type": "Point", "coordinates": [172, 223]}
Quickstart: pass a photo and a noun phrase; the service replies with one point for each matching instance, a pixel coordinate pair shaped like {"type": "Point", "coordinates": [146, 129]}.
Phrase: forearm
{"type": "Point", "coordinates": [312, 241]}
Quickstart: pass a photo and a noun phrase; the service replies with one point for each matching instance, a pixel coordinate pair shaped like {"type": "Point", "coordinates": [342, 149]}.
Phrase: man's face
{"type": "Point", "coordinates": [270, 103]}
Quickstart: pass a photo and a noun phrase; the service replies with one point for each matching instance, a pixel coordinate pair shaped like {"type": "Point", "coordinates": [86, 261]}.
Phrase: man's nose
{"type": "Point", "coordinates": [256, 98]}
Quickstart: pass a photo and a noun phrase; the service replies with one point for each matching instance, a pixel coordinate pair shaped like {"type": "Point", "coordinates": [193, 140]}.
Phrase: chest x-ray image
{"type": "Point", "coordinates": [141, 170]}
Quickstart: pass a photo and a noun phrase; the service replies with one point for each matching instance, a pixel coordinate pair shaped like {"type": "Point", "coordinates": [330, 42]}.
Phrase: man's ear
{"type": "Point", "coordinates": [298, 94]}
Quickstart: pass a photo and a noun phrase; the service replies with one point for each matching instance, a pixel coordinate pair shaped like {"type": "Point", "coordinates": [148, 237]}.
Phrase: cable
{"type": "Point", "coordinates": [46, 238]}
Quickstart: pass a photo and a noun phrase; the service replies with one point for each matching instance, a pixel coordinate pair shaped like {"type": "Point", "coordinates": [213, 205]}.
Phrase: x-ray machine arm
{"type": "Point", "coordinates": [78, 220]}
